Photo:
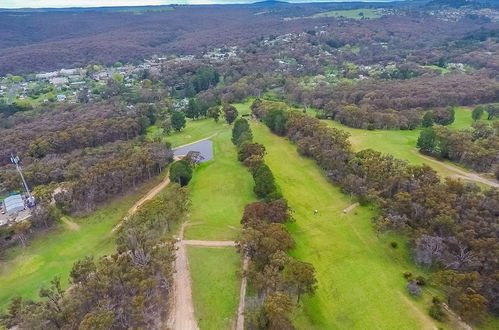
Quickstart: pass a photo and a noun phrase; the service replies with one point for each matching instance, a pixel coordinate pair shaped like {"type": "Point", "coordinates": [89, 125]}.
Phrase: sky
{"type": "Point", "coordinates": [105, 3]}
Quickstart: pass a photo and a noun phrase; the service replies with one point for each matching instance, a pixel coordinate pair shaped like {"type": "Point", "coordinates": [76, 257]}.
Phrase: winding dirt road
{"type": "Point", "coordinates": [470, 176]}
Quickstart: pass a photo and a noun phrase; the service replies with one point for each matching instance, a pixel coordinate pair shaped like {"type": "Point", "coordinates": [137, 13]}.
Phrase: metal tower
{"type": "Point", "coordinates": [15, 160]}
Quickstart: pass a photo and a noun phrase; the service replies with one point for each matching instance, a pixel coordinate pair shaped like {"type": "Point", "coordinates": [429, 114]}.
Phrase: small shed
{"type": "Point", "coordinates": [14, 204]}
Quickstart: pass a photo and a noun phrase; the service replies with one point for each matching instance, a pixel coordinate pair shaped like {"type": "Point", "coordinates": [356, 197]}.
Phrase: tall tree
{"type": "Point", "coordinates": [178, 120]}
{"type": "Point", "coordinates": [427, 140]}
{"type": "Point", "coordinates": [230, 113]}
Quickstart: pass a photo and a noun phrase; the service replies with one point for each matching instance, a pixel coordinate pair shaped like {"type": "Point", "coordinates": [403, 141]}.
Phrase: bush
{"type": "Point", "coordinates": [394, 245]}
{"type": "Point", "coordinates": [414, 289]}
{"type": "Point", "coordinates": [181, 172]}
{"type": "Point", "coordinates": [241, 132]}
{"type": "Point", "coordinates": [436, 310]}
{"type": "Point", "coordinates": [248, 149]}
{"type": "Point", "coordinates": [420, 280]}
{"type": "Point", "coordinates": [408, 275]}
{"type": "Point", "coordinates": [264, 181]}
{"type": "Point", "coordinates": [252, 162]}
{"type": "Point", "coordinates": [276, 120]}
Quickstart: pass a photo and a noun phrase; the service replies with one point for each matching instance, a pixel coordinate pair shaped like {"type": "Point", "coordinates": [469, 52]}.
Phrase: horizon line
{"type": "Point", "coordinates": [209, 3]}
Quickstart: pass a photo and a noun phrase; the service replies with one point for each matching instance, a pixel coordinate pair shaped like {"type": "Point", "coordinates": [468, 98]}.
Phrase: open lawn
{"type": "Point", "coordinates": [24, 270]}
{"type": "Point", "coordinates": [194, 130]}
{"type": "Point", "coordinates": [353, 13]}
{"type": "Point", "coordinates": [219, 191]}
{"type": "Point", "coordinates": [402, 143]}
{"type": "Point", "coordinates": [360, 282]}
{"type": "Point", "coordinates": [215, 285]}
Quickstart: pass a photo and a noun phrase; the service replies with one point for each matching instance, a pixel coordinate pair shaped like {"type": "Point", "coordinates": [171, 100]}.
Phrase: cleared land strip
{"type": "Point", "coordinates": [209, 243]}
{"type": "Point", "coordinates": [183, 317]}
{"type": "Point", "coordinates": [460, 173]}
{"type": "Point", "coordinates": [242, 296]}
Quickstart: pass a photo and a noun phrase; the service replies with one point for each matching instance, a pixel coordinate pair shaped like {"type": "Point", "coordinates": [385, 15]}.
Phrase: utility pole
{"type": "Point", "coordinates": [15, 161]}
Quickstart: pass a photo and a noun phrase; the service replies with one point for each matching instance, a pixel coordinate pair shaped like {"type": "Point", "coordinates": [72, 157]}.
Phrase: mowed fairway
{"type": "Point", "coordinates": [219, 191]}
{"type": "Point", "coordinates": [24, 270]}
{"type": "Point", "coordinates": [215, 285]}
{"type": "Point", "coordinates": [402, 143]}
{"type": "Point", "coordinates": [359, 276]}
{"type": "Point", "coordinates": [195, 130]}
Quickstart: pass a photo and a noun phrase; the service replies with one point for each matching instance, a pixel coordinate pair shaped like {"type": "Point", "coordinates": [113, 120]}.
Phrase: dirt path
{"type": "Point", "coordinates": [71, 225]}
{"type": "Point", "coordinates": [183, 316]}
{"type": "Point", "coordinates": [425, 320]}
{"type": "Point", "coordinates": [191, 143]}
{"type": "Point", "coordinates": [209, 243]}
{"type": "Point", "coordinates": [242, 296]}
{"type": "Point", "coordinates": [350, 208]}
{"type": "Point", "coordinates": [150, 194]}
{"type": "Point", "coordinates": [460, 173]}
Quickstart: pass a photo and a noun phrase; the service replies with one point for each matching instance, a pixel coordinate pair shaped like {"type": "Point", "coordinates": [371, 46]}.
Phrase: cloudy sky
{"type": "Point", "coordinates": [103, 3]}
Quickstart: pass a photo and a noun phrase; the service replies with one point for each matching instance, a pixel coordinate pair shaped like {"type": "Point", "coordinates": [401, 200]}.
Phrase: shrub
{"type": "Point", "coordinates": [414, 289]}
{"type": "Point", "coordinates": [420, 280]}
{"type": "Point", "coordinates": [436, 310]}
{"type": "Point", "coordinates": [241, 131]}
{"type": "Point", "coordinates": [394, 245]}
{"type": "Point", "coordinates": [264, 181]}
{"type": "Point", "coordinates": [248, 149]}
{"type": "Point", "coordinates": [181, 172]}
{"type": "Point", "coordinates": [408, 275]}
{"type": "Point", "coordinates": [230, 113]}
{"type": "Point", "coordinates": [276, 120]}
{"type": "Point", "coordinates": [252, 162]}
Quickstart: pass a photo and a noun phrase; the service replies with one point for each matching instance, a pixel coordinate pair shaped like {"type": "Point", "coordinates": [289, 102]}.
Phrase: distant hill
{"type": "Point", "coordinates": [270, 3]}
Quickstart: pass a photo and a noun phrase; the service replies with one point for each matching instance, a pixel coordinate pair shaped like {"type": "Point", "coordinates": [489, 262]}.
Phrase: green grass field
{"type": "Point", "coordinates": [353, 13]}
{"type": "Point", "coordinates": [402, 143]}
{"type": "Point", "coordinates": [24, 270]}
{"type": "Point", "coordinates": [194, 130]}
{"type": "Point", "coordinates": [436, 67]}
{"type": "Point", "coordinates": [215, 287]}
{"type": "Point", "coordinates": [359, 276]}
{"type": "Point", "coordinates": [219, 191]}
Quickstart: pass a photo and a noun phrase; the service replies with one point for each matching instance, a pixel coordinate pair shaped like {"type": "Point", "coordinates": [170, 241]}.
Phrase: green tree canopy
{"type": "Point", "coordinates": [181, 172]}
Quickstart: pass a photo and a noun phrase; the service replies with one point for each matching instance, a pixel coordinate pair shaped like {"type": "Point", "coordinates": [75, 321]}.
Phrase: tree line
{"type": "Point", "coordinates": [279, 279]}
{"type": "Point", "coordinates": [450, 223]}
{"type": "Point", "coordinates": [476, 148]}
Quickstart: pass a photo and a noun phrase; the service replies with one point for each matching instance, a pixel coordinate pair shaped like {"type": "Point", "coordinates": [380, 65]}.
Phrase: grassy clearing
{"type": "Point", "coordinates": [353, 13]}
{"type": "Point", "coordinates": [24, 271]}
{"type": "Point", "coordinates": [215, 287]}
{"type": "Point", "coordinates": [194, 130]}
{"type": "Point", "coordinates": [402, 143]}
{"type": "Point", "coordinates": [436, 67]}
{"type": "Point", "coordinates": [219, 191]}
{"type": "Point", "coordinates": [360, 276]}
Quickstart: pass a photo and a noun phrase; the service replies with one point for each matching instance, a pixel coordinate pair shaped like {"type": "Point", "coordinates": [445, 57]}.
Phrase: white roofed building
{"type": "Point", "coordinates": [14, 204]}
